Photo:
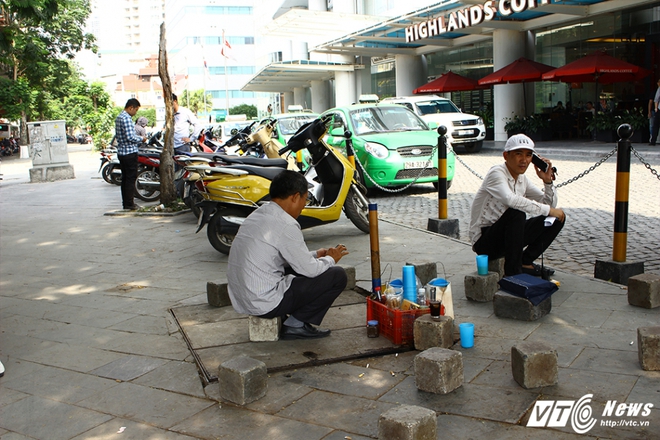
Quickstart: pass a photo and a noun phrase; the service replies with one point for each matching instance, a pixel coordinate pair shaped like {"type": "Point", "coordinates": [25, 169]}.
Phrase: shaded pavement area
{"type": "Point", "coordinates": [91, 348]}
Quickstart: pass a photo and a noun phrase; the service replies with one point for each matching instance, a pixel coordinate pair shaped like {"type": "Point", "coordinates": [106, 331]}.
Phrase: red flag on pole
{"type": "Point", "coordinates": [226, 50]}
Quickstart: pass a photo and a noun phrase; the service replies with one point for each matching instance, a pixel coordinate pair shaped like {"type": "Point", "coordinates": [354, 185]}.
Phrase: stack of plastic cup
{"type": "Point", "coordinates": [409, 283]}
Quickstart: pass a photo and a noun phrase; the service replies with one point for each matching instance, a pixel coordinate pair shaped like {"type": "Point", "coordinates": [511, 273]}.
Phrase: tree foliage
{"type": "Point", "coordinates": [195, 101]}
{"type": "Point", "coordinates": [244, 109]}
{"type": "Point", "coordinates": [37, 40]}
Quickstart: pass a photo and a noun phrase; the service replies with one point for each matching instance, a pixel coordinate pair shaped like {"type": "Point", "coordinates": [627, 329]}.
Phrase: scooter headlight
{"type": "Point", "coordinates": [376, 150]}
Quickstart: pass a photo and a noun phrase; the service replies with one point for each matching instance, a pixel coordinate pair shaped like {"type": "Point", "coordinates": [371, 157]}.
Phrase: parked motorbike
{"type": "Point", "coordinates": [109, 168]}
{"type": "Point", "coordinates": [239, 189]}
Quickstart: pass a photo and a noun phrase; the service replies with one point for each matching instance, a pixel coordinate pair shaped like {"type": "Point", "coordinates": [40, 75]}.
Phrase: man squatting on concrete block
{"type": "Point", "coordinates": [499, 226]}
{"type": "Point", "coordinates": [272, 273]}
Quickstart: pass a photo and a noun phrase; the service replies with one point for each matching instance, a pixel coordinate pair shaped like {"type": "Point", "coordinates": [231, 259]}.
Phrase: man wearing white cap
{"type": "Point", "coordinates": [499, 225]}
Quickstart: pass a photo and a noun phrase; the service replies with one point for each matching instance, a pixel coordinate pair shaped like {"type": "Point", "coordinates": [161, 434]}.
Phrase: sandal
{"type": "Point", "coordinates": [537, 271]}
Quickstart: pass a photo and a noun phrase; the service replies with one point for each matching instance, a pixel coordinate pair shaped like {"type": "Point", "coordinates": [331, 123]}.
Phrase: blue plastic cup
{"type": "Point", "coordinates": [482, 264]}
{"type": "Point", "coordinates": [467, 334]}
{"type": "Point", "coordinates": [409, 283]}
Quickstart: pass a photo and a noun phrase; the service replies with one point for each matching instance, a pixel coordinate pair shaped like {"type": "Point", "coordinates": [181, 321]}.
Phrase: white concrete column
{"type": "Point", "coordinates": [320, 96]}
{"type": "Point", "coordinates": [287, 100]}
{"type": "Point", "coordinates": [345, 91]}
{"type": "Point", "coordinates": [508, 99]}
{"type": "Point", "coordinates": [410, 73]}
{"type": "Point", "coordinates": [363, 76]}
{"type": "Point", "coordinates": [298, 96]}
{"type": "Point", "coordinates": [317, 5]}
{"type": "Point", "coordinates": [345, 6]}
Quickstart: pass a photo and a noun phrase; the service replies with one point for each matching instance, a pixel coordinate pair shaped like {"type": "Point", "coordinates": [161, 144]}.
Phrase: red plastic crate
{"type": "Point", "coordinates": [396, 325]}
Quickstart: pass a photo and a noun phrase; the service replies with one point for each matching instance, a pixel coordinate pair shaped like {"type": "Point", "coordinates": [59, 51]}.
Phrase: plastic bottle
{"type": "Point", "coordinates": [421, 296]}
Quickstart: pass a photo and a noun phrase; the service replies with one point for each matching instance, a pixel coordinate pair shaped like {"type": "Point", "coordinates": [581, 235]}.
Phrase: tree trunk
{"type": "Point", "coordinates": [167, 190]}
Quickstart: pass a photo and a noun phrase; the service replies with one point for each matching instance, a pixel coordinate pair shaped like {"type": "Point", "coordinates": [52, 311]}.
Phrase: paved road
{"type": "Point", "coordinates": [589, 204]}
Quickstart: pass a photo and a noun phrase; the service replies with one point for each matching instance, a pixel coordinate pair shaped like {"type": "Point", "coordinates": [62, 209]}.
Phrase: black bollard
{"type": "Point", "coordinates": [442, 172]}
{"type": "Point", "coordinates": [619, 270]}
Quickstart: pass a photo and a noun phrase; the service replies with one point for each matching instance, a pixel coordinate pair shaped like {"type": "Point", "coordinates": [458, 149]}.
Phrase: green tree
{"type": "Point", "coordinates": [195, 101]}
{"type": "Point", "coordinates": [36, 41]}
{"type": "Point", "coordinates": [244, 109]}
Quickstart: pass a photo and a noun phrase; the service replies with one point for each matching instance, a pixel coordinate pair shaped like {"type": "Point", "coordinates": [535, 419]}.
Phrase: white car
{"type": "Point", "coordinates": [463, 129]}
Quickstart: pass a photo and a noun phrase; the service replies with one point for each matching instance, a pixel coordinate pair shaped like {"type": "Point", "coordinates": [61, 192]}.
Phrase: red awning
{"type": "Point", "coordinates": [597, 67]}
{"type": "Point", "coordinates": [521, 70]}
{"type": "Point", "coordinates": [449, 82]}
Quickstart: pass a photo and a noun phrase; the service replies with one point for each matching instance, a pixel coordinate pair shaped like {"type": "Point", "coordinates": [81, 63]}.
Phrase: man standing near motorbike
{"type": "Point", "coordinates": [183, 120]}
{"type": "Point", "coordinates": [127, 151]}
{"type": "Point", "coordinates": [272, 273]}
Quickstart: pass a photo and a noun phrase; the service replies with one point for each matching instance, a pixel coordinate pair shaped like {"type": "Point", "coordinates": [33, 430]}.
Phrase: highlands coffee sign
{"type": "Point", "coordinates": [470, 16]}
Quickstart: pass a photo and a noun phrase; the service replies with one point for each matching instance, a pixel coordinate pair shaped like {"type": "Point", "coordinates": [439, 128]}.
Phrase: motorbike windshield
{"type": "Point", "coordinates": [290, 125]}
{"type": "Point", "coordinates": [436, 106]}
{"type": "Point", "coordinates": [385, 119]}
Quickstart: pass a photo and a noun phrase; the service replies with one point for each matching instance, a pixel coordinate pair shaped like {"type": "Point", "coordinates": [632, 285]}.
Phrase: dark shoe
{"type": "Point", "coordinates": [304, 332]}
{"type": "Point", "coordinates": [536, 271]}
{"type": "Point", "coordinates": [132, 208]}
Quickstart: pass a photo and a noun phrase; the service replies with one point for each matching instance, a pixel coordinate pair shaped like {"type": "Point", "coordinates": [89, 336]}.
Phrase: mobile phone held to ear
{"type": "Point", "coordinates": [541, 164]}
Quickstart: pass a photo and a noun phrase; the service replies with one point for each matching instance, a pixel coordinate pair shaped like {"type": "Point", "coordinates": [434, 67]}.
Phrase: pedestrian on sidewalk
{"type": "Point", "coordinates": [499, 226]}
{"type": "Point", "coordinates": [656, 119]}
{"type": "Point", "coordinates": [271, 273]}
{"type": "Point", "coordinates": [127, 151]}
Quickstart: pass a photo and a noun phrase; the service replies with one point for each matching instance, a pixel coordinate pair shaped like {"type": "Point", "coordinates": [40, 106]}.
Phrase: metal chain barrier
{"type": "Point", "coordinates": [382, 188]}
{"type": "Point", "coordinates": [646, 164]}
{"type": "Point", "coordinates": [573, 179]}
{"type": "Point", "coordinates": [590, 169]}
{"type": "Point", "coordinates": [464, 164]}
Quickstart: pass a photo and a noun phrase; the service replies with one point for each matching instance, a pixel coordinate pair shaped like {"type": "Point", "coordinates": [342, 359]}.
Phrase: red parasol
{"type": "Point", "coordinates": [449, 82]}
{"type": "Point", "coordinates": [597, 67]}
{"type": "Point", "coordinates": [521, 70]}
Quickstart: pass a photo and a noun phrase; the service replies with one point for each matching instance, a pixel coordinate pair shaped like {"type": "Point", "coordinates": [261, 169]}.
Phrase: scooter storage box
{"type": "Point", "coordinates": [396, 325]}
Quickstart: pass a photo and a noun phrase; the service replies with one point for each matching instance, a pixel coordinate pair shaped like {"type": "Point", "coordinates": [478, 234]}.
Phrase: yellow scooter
{"type": "Point", "coordinates": [237, 190]}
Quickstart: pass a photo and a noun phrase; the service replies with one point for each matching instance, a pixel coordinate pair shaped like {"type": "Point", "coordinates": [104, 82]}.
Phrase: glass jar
{"type": "Point", "coordinates": [372, 329]}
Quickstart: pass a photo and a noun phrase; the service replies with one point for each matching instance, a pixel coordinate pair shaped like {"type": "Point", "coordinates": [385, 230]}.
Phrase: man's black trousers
{"type": "Point", "coordinates": [308, 299]}
{"type": "Point", "coordinates": [129, 166]}
{"type": "Point", "coordinates": [518, 240]}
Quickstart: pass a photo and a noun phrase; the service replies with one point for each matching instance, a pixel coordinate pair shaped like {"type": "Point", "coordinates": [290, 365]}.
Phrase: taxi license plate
{"type": "Point", "coordinates": [416, 164]}
{"type": "Point", "coordinates": [465, 132]}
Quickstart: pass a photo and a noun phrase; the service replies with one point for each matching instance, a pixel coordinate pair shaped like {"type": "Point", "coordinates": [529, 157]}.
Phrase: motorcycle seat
{"type": "Point", "coordinates": [256, 161]}
{"type": "Point", "coordinates": [266, 172]}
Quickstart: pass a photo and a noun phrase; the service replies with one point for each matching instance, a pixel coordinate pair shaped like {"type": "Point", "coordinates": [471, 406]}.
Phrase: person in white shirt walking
{"type": "Point", "coordinates": [499, 226]}
{"type": "Point", "coordinates": [271, 272]}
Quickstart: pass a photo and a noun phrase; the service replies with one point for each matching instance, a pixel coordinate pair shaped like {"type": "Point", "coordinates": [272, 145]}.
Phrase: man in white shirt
{"type": "Point", "coordinates": [183, 120]}
{"type": "Point", "coordinates": [272, 273]}
{"type": "Point", "coordinates": [499, 226]}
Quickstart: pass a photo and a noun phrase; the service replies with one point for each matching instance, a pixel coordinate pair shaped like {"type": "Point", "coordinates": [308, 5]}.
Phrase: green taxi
{"type": "Point", "coordinates": [394, 146]}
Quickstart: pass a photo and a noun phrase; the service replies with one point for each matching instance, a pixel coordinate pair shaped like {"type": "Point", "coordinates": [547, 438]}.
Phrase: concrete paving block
{"type": "Point", "coordinates": [644, 290]}
{"type": "Point", "coordinates": [429, 332]}
{"type": "Point", "coordinates": [217, 294]}
{"type": "Point", "coordinates": [242, 380]}
{"type": "Point", "coordinates": [497, 265]}
{"type": "Point", "coordinates": [534, 364]}
{"type": "Point", "coordinates": [481, 288]}
{"type": "Point", "coordinates": [438, 370]}
{"type": "Point", "coordinates": [261, 329]}
{"type": "Point", "coordinates": [449, 227]}
{"type": "Point", "coordinates": [510, 306]}
{"type": "Point", "coordinates": [350, 275]}
{"type": "Point", "coordinates": [648, 348]}
{"type": "Point", "coordinates": [426, 271]}
{"type": "Point", "coordinates": [407, 422]}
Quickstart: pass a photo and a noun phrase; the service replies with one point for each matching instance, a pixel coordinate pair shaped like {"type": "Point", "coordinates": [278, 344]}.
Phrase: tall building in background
{"type": "Point", "coordinates": [211, 47]}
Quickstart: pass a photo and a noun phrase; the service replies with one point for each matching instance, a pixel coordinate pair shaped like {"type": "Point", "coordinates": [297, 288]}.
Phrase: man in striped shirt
{"type": "Point", "coordinates": [272, 273]}
{"type": "Point", "coordinates": [127, 151]}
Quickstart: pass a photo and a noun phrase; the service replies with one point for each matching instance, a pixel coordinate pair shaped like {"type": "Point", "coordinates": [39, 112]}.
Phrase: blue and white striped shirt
{"type": "Point", "coordinates": [127, 140]}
